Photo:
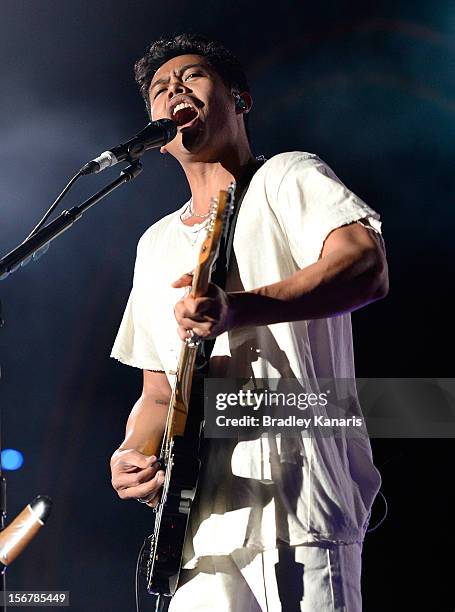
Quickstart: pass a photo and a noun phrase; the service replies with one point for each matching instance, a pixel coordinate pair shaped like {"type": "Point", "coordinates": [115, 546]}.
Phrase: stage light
{"type": "Point", "coordinates": [12, 459]}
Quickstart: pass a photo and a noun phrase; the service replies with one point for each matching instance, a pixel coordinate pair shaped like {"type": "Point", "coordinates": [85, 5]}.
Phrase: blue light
{"type": "Point", "coordinates": [12, 459]}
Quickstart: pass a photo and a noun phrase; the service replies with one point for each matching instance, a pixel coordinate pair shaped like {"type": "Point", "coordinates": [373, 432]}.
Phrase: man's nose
{"type": "Point", "coordinates": [176, 86]}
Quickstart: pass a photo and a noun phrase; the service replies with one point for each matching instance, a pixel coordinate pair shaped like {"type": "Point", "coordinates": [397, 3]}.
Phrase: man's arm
{"type": "Point", "coordinates": [351, 272]}
{"type": "Point", "coordinates": [133, 472]}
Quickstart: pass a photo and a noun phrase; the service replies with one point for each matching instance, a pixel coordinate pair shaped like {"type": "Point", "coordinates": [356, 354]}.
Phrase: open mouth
{"type": "Point", "coordinates": [184, 114]}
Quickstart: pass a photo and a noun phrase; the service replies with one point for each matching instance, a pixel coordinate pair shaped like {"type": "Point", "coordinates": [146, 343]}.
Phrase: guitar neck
{"type": "Point", "coordinates": [180, 399]}
{"type": "Point", "coordinates": [201, 280]}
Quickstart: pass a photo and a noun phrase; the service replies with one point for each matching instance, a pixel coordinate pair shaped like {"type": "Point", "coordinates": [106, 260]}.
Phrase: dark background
{"type": "Point", "coordinates": [369, 87]}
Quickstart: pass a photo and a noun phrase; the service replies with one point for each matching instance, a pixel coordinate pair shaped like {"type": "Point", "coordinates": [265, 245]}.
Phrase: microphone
{"type": "Point", "coordinates": [15, 537]}
{"type": "Point", "coordinates": [155, 134]}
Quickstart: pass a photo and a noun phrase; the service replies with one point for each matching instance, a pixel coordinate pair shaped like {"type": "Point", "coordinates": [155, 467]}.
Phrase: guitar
{"type": "Point", "coordinates": [162, 551]}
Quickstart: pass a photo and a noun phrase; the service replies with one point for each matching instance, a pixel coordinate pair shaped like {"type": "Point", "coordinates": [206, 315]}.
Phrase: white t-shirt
{"type": "Point", "coordinates": [293, 202]}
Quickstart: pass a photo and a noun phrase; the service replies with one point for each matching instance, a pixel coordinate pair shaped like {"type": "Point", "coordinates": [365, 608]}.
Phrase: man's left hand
{"type": "Point", "coordinates": [207, 316]}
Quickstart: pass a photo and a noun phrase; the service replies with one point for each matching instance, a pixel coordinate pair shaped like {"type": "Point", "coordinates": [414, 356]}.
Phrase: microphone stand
{"type": "Point", "coordinates": [10, 262]}
{"type": "Point", "coordinates": [37, 244]}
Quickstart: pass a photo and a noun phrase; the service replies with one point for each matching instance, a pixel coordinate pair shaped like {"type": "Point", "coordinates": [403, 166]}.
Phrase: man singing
{"type": "Point", "coordinates": [306, 253]}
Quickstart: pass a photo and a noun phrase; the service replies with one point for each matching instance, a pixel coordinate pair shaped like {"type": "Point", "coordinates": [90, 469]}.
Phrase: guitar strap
{"type": "Point", "coordinates": [223, 261]}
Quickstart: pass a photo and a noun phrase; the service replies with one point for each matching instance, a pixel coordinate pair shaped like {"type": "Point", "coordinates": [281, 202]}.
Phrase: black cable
{"type": "Point", "coordinates": [54, 205]}
{"type": "Point", "coordinates": [139, 557]}
{"type": "Point", "coordinates": [386, 511]}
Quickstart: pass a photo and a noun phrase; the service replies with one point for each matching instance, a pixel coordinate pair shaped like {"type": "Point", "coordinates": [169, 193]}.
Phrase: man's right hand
{"type": "Point", "coordinates": [135, 475]}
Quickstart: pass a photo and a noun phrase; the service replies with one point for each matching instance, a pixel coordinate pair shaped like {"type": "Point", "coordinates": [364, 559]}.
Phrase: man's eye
{"type": "Point", "coordinates": [192, 74]}
{"type": "Point", "coordinates": [159, 91]}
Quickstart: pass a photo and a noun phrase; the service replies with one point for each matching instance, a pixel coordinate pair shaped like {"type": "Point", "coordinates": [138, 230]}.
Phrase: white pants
{"type": "Point", "coordinates": [298, 579]}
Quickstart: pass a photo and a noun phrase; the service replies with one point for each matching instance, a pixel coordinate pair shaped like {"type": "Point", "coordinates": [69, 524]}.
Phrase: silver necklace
{"type": "Point", "coordinates": [193, 214]}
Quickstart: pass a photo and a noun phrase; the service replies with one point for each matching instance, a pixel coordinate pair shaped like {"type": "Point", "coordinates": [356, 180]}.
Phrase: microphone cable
{"type": "Point", "coordinates": [53, 206]}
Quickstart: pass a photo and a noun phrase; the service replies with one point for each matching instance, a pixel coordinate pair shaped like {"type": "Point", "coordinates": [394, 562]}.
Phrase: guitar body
{"type": "Point", "coordinates": [161, 557]}
{"type": "Point", "coordinates": [164, 551]}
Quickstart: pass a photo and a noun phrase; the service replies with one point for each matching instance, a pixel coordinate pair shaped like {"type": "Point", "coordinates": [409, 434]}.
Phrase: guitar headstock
{"type": "Point", "coordinates": [221, 209]}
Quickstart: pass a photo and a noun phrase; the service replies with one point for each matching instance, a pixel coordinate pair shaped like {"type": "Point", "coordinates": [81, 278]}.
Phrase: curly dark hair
{"type": "Point", "coordinates": [221, 59]}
